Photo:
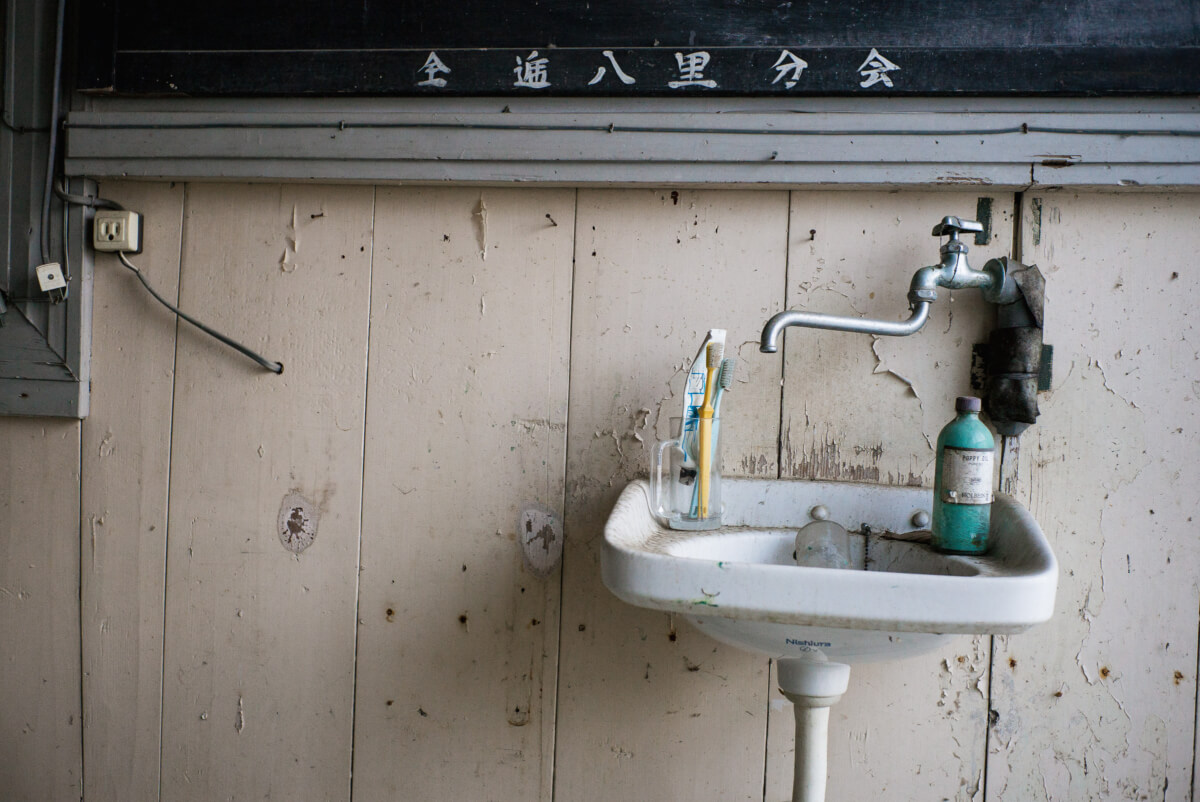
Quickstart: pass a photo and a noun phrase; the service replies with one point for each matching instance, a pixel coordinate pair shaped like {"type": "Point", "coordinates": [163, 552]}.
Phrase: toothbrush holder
{"type": "Point", "coordinates": [674, 479]}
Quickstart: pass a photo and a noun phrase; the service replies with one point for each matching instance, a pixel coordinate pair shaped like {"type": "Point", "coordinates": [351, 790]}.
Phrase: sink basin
{"type": "Point", "coordinates": [740, 583]}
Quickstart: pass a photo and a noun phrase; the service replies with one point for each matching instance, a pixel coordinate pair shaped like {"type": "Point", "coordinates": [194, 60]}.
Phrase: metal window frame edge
{"type": "Point", "coordinates": [45, 349]}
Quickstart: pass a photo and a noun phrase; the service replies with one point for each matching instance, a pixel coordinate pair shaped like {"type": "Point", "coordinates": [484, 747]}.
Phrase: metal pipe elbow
{"type": "Point", "coordinates": [925, 282]}
{"type": "Point", "coordinates": [769, 342]}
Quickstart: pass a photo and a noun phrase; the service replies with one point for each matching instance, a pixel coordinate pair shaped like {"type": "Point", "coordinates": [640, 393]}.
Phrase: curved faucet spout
{"type": "Point", "coordinates": [952, 272]}
{"type": "Point", "coordinates": [769, 343]}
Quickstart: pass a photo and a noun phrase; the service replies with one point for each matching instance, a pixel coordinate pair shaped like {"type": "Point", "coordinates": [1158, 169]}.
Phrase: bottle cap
{"type": "Point", "coordinates": [967, 403]}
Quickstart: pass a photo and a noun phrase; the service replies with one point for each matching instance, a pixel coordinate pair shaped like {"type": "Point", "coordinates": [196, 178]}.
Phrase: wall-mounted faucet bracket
{"type": "Point", "coordinates": [1015, 363]}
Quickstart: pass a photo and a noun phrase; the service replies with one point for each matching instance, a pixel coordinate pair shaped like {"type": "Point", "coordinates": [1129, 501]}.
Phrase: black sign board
{"type": "Point", "coordinates": [612, 48]}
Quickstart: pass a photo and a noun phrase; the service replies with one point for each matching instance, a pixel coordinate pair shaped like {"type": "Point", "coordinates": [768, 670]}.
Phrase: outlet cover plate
{"type": "Point", "coordinates": [117, 230]}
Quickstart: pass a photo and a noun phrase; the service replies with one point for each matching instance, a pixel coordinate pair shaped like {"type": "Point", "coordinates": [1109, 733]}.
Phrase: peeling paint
{"type": "Point", "coordinates": [535, 425]}
{"type": "Point", "coordinates": [481, 224]}
{"type": "Point", "coordinates": [291, 245]}
{"type": "Point", "coordinates": [881, 368]}
{"type": "Point", "coordinates": [621, 754]}
{"type": "Point", "coordinates": [965, 673]}
{"type": "Point", "coordinates": [958, 178]}
{"type": "Point", "coordinates": [823, 459]}
{"type": "Point", "coordinates": [760, 465]}
{"type": "Point", "coordinates": [94, 522]}
{"type": "Point", "coordinates": [106, 447]}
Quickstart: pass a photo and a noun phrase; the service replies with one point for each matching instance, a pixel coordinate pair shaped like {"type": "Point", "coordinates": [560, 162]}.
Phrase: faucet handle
{"type": "Point", "coordinates": [953, 226]}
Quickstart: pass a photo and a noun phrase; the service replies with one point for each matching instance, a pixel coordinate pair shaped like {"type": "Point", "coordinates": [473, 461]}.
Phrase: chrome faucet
{"type": "Point", "coordinates": [952, 272]}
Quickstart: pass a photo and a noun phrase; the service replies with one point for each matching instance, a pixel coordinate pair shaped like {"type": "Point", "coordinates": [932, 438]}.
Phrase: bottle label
{"type": "Point", "coordinates": [967, 475]}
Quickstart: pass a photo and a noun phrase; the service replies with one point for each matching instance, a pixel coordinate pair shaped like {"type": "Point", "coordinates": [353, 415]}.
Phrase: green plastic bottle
{"type": "Point", "coordinates": [962, 484]}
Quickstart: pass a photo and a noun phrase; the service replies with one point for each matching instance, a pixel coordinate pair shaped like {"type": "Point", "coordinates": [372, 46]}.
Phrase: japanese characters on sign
{"type": "Point", "coordinates": [532, 72]}
{"type": "Point", "coordinates": [788, 67]}
{"type": "Point", "coordinates": [599, 76]}
{"type": "Point", "coordinates": [692, 71]}
{"type": "Point", "coordinates": [875, 70]}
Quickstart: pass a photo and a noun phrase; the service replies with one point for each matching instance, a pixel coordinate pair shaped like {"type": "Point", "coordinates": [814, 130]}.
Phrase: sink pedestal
{"type": "Point", "coordinates": [812, 686]}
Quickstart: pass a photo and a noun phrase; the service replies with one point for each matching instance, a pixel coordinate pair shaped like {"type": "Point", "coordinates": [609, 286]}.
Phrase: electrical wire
{"type": "Point", "coordinates": [66, 265]}
{"type": "Point", "coordinates": [274, 367]}
{"type": "Point", "coordinates": [19, 129]}
{"type": "Point", "coordinates": [90, 201]}
{"type": "Point", "coordinates": [48, 186]}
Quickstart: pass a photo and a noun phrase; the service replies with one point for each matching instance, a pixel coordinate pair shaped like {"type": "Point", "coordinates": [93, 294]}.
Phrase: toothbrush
{"type": "Point", "coordinates": [724, 382]}
{"type": "Point", "coordinates": [715, 351]}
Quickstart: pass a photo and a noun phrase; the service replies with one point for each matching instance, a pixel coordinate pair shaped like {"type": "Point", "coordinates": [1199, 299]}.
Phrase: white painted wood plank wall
{"type": "Point", "coordinates": [40, 722]}
{"type": "Point", "coordinates": [126, 465]}
{"type": "Point", "coordinates": [275, 671]}
{"type": "Point", "coordinates": [1100, 702]}
{"type": "Point", "coordinates": [467, 412]}
{"type": "Point", "coordinates": [259, 650]}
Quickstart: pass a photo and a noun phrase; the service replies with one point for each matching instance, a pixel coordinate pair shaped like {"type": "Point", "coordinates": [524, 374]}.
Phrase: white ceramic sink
{"type": "Point", "coordinates": [740, 583]}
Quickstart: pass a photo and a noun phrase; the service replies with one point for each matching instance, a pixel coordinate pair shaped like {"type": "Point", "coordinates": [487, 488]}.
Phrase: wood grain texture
{"type": "Point", "coordinates": [648, 707]}
{"type": "Point", "coordinates": [125, 467]}
{"type": "Point", "coordinates": [467, 401]}
{"type": "Point", "coordinates": [259, 652]}
{"type": "Point", "coordinates": [39, 611]}
{"type": "Point", "coordinates": [1099, 703]}
{"type": "Point", "coordinates": [858, 408]}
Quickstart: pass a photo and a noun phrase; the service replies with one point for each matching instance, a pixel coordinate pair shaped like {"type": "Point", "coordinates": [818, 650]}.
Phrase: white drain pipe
{"type": "Point", "coordinates": [812, 686]}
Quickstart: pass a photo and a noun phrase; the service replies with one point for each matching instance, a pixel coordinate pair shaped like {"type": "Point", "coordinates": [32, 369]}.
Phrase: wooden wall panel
{"type": "Point", "coordinates": [858, 408]}
{"type": "Point", "coordinates": [1100, 702]}
{"type": "Point", "coordinates": [260, 643]}
{"type": "Point", "coordinates": [125, 468]}
{"type": "Point", "coordinates": [648, 707]}
{"type": "Point", "coordinates": [259, 652]}
{"type": "Point", "coordinates": [467, 413]}
{"type": "Point", "coordinates": [40, 722]}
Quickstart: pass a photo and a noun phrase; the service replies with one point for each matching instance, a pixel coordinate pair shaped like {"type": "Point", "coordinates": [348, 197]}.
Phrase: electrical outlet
{"type": "Point", "coordinates": [117, 230]}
